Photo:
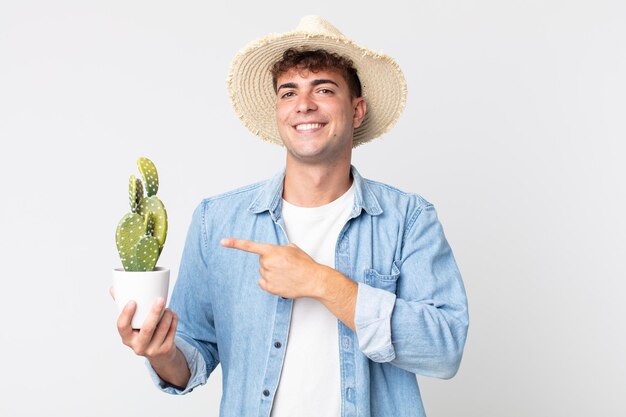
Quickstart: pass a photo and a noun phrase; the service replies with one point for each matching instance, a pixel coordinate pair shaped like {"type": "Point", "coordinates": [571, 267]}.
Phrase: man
{"type": "Point", "coordinates": [321, 293]}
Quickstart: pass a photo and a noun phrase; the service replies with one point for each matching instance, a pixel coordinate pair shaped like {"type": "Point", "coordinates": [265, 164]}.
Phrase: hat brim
{"type": "Point", "coordinates": [254, 100]}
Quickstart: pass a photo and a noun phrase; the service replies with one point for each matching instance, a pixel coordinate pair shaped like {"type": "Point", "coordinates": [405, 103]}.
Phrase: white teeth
{"type": "Point", "coordinates": [308, 126]}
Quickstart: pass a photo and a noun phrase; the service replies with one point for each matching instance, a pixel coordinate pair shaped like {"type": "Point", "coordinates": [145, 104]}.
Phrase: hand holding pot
{"type": "Point", "coordinates": [155, 341]}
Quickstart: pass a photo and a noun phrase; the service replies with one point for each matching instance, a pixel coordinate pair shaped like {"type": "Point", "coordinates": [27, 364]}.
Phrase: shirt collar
{"type": "Point", "coordinates": [269, 198]}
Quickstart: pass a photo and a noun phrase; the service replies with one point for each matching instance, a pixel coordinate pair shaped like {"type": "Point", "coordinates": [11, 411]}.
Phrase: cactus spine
{"type": "Point", "coordinates": [141, 234]}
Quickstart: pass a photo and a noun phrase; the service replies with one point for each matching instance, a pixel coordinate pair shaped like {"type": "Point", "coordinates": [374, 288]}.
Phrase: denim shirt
{"type": "Point", "coordinates": [411, 311]}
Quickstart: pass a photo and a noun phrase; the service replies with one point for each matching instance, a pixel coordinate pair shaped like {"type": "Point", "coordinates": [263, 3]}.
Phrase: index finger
{"type": "Point", "coordinates": [246, 245]}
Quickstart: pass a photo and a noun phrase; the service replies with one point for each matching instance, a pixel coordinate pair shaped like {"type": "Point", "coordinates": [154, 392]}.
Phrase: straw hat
{"type": "Point", "coordinates": [254, 100]}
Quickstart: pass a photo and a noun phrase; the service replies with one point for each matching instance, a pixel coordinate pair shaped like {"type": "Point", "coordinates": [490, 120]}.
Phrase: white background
{"type": "Point", "coordinates": [514, 129]}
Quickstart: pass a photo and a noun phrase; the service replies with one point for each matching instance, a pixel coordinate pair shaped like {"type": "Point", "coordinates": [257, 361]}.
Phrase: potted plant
{"type": "Point", "coordinates": [140, 237]}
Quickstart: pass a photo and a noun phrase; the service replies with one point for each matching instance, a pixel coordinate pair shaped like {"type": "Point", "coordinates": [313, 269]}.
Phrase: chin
{"type": "Point", "coordinates": [305, 154]}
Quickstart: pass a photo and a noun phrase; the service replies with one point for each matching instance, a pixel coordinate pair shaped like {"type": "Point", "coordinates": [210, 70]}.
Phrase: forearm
{"type": "Point", "coordinates": [174, 371]}
{"type": "Point", "coordinates": [338, 293]}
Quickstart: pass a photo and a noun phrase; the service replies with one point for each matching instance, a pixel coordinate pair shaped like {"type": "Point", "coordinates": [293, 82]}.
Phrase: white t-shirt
{"type": "Point", "coordinates": [310, 382]}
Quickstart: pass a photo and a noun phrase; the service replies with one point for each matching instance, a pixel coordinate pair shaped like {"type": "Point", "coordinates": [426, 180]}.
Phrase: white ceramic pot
{"type": "Point", "coordinates": [142, 287]}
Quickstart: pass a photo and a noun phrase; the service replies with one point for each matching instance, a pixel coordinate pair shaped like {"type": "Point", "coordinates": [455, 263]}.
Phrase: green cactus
{"type": "Point", "coordinates": [135, 193]}
{"type": "Point", "coordinates": [150, 176]}
{"type": "Point", "coordinates": [141, 234]}
{"type": "Point", "coordinates": [154, 206]}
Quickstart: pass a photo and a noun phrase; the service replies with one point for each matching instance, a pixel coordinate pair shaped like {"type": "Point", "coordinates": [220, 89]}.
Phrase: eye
{"type": "Point", "coordinates": [325, 91]}
{"type": "Point", "coordinates": [287, 94]}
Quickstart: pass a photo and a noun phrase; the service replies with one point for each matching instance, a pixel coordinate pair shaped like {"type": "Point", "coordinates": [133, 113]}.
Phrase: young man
{"type": "Point", "coordinates": [321, 293]}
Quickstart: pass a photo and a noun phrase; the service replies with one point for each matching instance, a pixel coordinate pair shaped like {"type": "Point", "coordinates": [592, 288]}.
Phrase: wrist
{"type": "Point", "coordinates": [174, 371]}
{"type": "Point", "coordinates": [325, 289]}
{"type": "Point", "coordinates": [166, 359]}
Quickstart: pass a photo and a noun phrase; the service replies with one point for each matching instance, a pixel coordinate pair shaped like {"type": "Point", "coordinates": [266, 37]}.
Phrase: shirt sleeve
{"type": "Point", "coordinates": [421, 328]}
{"type": "Point", "coordinates": [372, 319]}
{"type": "Point", "coordinates": [192, 301]}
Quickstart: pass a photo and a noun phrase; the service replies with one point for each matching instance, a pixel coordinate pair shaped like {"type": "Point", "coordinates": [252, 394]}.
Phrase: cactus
{"type": "Point", "coordinates": [141, 234]}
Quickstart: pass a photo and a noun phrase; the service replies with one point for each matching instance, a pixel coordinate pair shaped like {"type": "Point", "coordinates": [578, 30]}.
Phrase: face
{"type": "Point", "coordinates": [316, 116]}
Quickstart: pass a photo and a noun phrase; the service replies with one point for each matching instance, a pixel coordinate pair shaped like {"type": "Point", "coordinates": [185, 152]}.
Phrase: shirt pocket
{"type": "Point", "coordinates": [387, 282]}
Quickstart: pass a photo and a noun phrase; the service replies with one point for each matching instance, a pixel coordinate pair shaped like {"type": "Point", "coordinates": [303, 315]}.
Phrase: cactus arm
{"type": "Point", "coordinates": [135, 193]}
{"type": "Point", "coordinates": [155, 206]}
{"type": "Point", "coordinates": [149, 223]}
{"type": "Point", "coordinates": [129, 231]}
{"type": "Point", "coordinates": [150, 175]}
{"type": "Point", "coordinates": [146, 253]}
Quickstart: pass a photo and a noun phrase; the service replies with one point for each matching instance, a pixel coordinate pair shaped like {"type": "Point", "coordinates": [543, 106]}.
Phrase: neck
{"type": "Point", "coordinates": [315, 185]}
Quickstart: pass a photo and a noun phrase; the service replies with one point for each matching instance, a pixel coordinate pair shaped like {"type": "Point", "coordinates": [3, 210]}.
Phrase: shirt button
{"type": "Point", "coordinates": [277, 345]}
{"type": "Point", "coordinates": [266, 393]}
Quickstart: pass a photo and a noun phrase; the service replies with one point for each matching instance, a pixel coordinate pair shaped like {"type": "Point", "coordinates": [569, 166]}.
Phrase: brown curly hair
{"type": "Point", "coordinates": [318, 60]}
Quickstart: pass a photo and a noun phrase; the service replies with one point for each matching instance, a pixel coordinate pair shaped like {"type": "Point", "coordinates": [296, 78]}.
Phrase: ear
{"type": "Point", "coordinates": [359, 106]}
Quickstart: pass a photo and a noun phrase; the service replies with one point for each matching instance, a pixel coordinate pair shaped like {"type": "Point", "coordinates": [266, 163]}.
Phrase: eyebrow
{"type": "Point", "coordinates": [313, 83]}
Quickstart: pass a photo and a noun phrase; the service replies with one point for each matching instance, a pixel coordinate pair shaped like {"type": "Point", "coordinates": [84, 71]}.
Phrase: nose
{"type": "Point", "coordinates": [305, 104]}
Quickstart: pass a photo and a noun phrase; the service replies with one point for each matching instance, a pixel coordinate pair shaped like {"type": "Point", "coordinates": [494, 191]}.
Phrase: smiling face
{"type": "Point", "coordinates": [316, 115]}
